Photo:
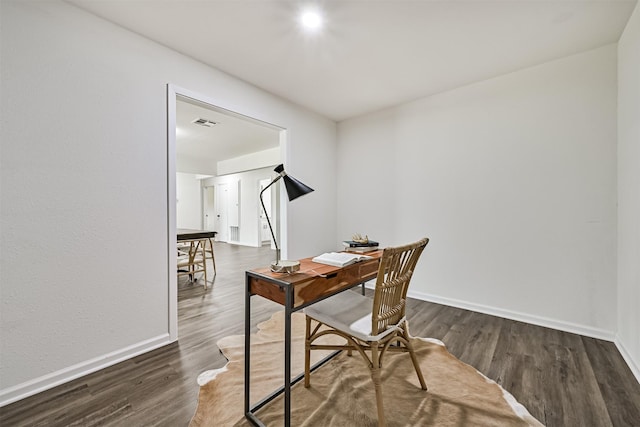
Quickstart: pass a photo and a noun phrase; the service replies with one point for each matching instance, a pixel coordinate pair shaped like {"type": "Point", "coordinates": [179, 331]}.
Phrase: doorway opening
{"type": "Point", "coordinates": [216, 162]}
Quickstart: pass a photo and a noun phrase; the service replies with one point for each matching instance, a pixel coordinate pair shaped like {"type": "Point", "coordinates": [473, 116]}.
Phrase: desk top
{"type": "Point", "coordinates": [308, 269]}
{"type": "Point", "coordinates": [187, 234]}
{"type": "Point", "coordinates": [314, 281]}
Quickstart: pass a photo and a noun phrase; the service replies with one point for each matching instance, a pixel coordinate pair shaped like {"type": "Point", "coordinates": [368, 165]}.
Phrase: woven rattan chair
{"type": "Point", "coordinates": [374, 326]}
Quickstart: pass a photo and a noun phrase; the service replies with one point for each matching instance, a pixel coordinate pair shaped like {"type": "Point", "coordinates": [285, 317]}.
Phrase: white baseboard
{"type": "Point", "coordinates": [574, 328]}
{"type": "Point", "coordinates": [45, 382]}
{"type": "Point", "coordinates": [518, 316]}
{"type": "Point", "coordinates": [635, 369]}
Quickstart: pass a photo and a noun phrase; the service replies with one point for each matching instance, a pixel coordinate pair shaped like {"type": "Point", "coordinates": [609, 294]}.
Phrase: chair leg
{"type": "Point", "coordinates": [192, 254]}
{"type": "Point", "coordinates": [307, 353]}
{"type": "Point", "coordinates": [204, 263]}
{"type": "Point", "coordinates": [375, 376]}
{"type": "Point", "coordinates": [414, 359]}
{"type": "Point", "coordinates": [213, 258]}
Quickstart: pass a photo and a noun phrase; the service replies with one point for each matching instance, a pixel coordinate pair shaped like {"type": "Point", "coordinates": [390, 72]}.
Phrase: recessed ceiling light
{"type": "Point", "coordinates": [311, 20]}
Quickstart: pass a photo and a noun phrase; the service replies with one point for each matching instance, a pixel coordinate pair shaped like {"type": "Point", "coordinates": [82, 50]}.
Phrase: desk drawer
{"type": "Point", "coordinates": [268, 290]}
{"type": "Point", "coordinates": [319, 287]}
{"type": "Point", "coordinates": [368, 270]}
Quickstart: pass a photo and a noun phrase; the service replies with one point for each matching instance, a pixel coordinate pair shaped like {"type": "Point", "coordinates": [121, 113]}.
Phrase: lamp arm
{"type": "Point", "coordinates": [275, 242]}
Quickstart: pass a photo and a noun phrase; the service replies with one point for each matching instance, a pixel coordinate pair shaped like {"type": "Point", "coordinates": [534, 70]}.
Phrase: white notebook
{"type": "Point", "coordinates": [339, 259]}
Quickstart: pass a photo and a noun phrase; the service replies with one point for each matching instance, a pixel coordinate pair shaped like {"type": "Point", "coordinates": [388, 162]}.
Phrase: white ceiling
{"type": "Point", "coordinates": [200, 148]}
{"type": "Point", "coordinates": [370, 54]}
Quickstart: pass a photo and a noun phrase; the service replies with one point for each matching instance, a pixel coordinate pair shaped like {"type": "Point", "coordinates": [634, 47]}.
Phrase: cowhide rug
{"type": "Point", "coordinates": [341, 392]}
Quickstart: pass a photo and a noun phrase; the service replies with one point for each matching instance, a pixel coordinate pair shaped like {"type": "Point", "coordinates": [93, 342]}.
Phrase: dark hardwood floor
{"type": "Point", "coordinates": [563, 379]}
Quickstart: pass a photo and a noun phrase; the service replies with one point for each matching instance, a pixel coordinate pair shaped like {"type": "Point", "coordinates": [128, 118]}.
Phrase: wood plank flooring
{"type": "Point", "coordinates": [563, 379]}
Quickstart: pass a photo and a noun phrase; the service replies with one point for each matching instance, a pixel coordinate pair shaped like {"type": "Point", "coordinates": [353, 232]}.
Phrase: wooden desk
{"type": "Point", "coordinates": [314, 282]}
{"type": "Point", "coordinates": [187, 235]}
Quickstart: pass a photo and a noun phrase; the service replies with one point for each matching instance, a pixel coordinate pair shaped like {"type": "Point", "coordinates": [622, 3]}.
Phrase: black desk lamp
{"type": "Point", "coordinates": [294, 189]}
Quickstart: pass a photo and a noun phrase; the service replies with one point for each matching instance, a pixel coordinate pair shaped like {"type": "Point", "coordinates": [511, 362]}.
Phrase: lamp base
{"type": "Point", "coordinates": [285, 266]}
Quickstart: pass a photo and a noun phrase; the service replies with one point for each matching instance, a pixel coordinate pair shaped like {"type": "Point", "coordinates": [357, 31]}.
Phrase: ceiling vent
{"type": "Point", "coordinates": [204, 122]}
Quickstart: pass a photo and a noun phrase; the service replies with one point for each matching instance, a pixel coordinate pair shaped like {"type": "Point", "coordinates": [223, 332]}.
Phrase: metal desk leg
{"type": "Point", "coordinates": [288, 381]}
{"type": "Point", "coordinates": [247, 344]}
{"type": "Point", "coordinates": [287, 356]}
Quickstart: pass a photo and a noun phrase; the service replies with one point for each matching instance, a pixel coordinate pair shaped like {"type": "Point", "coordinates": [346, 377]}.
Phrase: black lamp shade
{"type": "Point", "coordinates": [295, 188]}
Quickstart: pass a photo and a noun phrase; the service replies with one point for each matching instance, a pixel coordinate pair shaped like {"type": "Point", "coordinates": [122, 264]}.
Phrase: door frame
{"type": "Point", "coordinates": [173, 92]}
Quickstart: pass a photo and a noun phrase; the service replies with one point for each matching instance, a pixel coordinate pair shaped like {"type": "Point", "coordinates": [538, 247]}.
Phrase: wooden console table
{"type": "Point", "coordinates": [314, 282]}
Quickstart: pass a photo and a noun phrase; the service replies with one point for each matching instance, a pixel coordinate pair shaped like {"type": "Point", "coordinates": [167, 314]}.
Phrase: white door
{"type": "Point", "coordinates": [222, 209]}
{"type": "Point", "coordinates": [209, 209]}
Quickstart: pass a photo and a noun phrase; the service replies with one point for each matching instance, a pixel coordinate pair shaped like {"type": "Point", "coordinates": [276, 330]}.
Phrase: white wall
{"type": "Point", "coordinates": [188, 201]}
{"type": "Point", "coordinates": [84, 175]}
{"type": "Point", "coordinates": [629, 193]}
{"type": "Point", "coordinates": [251, 161]}
{"type": "Point", "coordinates": [514, 181]}
{"type": "Point", "coordinates": [200, 165]}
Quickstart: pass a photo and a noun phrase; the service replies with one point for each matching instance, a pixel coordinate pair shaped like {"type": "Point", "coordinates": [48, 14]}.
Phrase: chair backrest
{"type": "Point", "coordinates": [394, 274]}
